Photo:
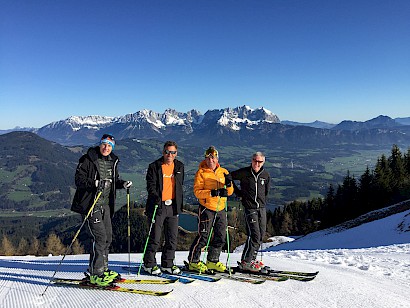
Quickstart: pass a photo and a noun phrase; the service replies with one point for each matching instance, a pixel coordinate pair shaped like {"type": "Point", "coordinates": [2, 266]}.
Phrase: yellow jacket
{"type": "Point", "coordinates": [205, 180]}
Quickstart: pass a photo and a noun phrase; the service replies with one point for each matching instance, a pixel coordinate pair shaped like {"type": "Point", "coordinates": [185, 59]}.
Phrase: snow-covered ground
{"type": "Point", "coordinates": [367, 266]}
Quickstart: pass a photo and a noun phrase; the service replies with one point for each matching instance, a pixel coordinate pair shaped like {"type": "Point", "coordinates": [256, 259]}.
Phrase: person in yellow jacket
{"type": "Point", "coordinates": [212, 186]}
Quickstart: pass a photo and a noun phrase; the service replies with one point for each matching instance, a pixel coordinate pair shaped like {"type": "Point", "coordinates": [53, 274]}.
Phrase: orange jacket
{"type": "Point", "coordinates": [205, 180]}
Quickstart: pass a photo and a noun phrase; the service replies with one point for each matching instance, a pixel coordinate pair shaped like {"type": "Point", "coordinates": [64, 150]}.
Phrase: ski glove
{"type": "Point", "coordinates": [228, 179]}
{"type": "Point", "coordinates": [101, 185]}
{"type": "Point", "coordinates": [127, 184]}
{"type": "Point", "coordinates": [221, 192]}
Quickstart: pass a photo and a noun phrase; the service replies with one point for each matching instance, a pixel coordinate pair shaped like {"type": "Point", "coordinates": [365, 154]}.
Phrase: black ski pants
{"type": "Point", "coordinates": [206, 220]}
{"type": "Point", "coordinates": [100, 231]}
{"type": "Point", "coordinates": [166, 221]}
{"type": "Point", "coordinates": [255, 220]}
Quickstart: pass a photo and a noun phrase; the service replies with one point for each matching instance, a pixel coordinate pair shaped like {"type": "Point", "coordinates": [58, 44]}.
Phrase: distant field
{"type": "Point", "coordinates": [355, 163]}
{"type": "Point", "coordinates": [51, 213]}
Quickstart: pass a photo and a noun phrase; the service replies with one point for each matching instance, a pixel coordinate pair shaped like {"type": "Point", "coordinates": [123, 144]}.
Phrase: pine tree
{"type": "Point", "coordinates": [286, 224]}
{"type": "Point", "coordinates": [54, 245]}
{"type": "Point", "coordinates": [366, 191]}
{"type": "Point", "coordinates": [7, 248]}
{"type": "Point", "coordinates": [34, 248]}
{"type": "Point", "coordinates": [406, 162]}
{"type": "Point", "coordinates": [22, 248]}
{"type": "Point", "coordinates": [382, 182]}
{"type": "Point", "coordinates": [77, 248]}
{"type": "Point", "coordinates": [397, 167]}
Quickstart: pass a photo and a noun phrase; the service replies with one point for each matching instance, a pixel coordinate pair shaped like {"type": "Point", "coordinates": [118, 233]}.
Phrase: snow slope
{"type": "Point", "coordinates": [354, 271]}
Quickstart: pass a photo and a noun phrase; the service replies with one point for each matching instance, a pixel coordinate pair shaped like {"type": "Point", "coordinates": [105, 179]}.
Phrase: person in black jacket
{"type": "Point", "coordinates": [165, 179]}
{"type": "Point", "coordinates": [254, 188]}
{"type": "Point", "coordinates": [97, 171]}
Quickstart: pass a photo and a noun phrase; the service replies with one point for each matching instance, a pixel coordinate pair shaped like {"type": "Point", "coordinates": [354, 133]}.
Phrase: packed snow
{"type": "Point", "coordinates": [366, 266]}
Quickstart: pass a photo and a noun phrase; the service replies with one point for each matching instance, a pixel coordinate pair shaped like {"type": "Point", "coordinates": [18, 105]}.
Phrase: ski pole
{"type": "Point", "coordinates": [261, 246]}
{"type": "Point", "coordinates": [146, 242]}
{"type": "Point", "coordinates": [227, 237]}
{"type": "Point", "coordinates": [74, 238]}
{"type": "Point", "coordinates": [210, 232]}
{"type": "Point", "coordinates": [129, 230]}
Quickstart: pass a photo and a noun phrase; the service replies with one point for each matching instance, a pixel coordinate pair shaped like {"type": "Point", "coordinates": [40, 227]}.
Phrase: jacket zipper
{"type": "Point", "coordinates": [256, 177]}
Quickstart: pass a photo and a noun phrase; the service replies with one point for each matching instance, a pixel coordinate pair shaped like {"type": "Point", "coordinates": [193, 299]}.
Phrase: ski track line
{"type": "Point", "coordinates": [28, 289]}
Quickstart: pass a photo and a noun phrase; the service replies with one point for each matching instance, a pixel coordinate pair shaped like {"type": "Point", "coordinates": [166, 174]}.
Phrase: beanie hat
{"type": "Point", "coordinates": [109, 139]}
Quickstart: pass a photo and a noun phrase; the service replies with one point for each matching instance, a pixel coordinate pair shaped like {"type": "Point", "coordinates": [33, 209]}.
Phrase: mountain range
{"type": "Point", "coordinates": [228, 126]}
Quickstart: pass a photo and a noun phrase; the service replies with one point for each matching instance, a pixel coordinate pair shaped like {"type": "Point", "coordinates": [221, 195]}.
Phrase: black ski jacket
{"type": "Point", "coordinates": [254, 187]}
{"type": "Point", "coordinates": [154, 185]}
{"type": "Point", "coordinates": [86, 174]}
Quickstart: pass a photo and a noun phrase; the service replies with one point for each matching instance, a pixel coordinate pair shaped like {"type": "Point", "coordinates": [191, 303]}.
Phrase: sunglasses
{"type": "Point", "coordinates": [258, 161]}
{"type": "Point", "coordinates": [170, 152]}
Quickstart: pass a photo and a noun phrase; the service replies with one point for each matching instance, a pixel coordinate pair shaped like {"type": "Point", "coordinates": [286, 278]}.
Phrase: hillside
{"type": "Point", "coordinates": [388, 226]}
{"type": "Point", "coordinates": [376, 276]}
{"type": "Point", "coordinates": [35, 174]}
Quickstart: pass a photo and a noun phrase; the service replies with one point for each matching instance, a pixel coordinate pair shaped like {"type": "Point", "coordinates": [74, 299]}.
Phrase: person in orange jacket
{"type": "Point", "coordinates": [212, 186]}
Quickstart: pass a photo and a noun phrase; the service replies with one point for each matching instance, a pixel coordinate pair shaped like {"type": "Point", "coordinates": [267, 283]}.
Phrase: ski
{"type": "Point", "coordinates": [218, 275]}
{"type": "Point", "coordinates": [180, 279]}
{"type": "Point", "coordinates": [122, 280]}
{"type": "Point", "coordinates": [277, 277]}
{"type": "Point", "coordinates": [298, 278]}
{"type": "Point", "coordinates": [306, 274]}
{"type": "Point", "coordinates": [197, 276]}
{"type": "Point", "coordinates": [114, 288]}
{"type": "Point", "coordinates": [261, 276]}
{"type": "Point", "coordinates": [241, 278]}
{"type": "Point", "coordinates": [273, 276]}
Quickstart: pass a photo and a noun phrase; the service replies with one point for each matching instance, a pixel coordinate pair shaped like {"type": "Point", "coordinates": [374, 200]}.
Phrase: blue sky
{"type": "Point", "coordinates": [304, 60]}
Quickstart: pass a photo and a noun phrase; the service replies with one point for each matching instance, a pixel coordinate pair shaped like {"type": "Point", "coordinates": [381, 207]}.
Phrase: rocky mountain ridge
{"type": "Point", "coordinates": [225, 126]}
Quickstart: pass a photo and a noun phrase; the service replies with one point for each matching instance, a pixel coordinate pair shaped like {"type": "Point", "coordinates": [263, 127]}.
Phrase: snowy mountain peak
{"type": "Point", "coordinates": [245, 117]}
{"type": "Point", "coordinates": [77, 122]}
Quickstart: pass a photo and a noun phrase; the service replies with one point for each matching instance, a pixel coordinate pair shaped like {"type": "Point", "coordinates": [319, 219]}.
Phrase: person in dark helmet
{"type": "Point", "coordinates": [212, 186]}
{"type": "Point", "coordinates": [165, 180]}
{"type": "Point", "coordinates": [254, 188]}
{"type": "Point", "coordinates": [97, 172]}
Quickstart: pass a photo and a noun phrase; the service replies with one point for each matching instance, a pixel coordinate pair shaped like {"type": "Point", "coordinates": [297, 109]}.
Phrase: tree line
{"type": "Point", "coordinates": [52, 245]}
{"type": "Point", "coordinates": [387, 184]}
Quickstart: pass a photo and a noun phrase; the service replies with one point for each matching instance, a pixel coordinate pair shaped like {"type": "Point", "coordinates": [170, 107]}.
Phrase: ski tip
{"type": "Point", "coordinates": [166, 292]}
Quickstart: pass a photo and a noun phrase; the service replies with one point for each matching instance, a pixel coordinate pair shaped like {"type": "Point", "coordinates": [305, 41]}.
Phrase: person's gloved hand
{"type": "Point", "coordinates": [214, 192]}
{"type": "Point", "coordinates": [221, 192]}
{"type": "Point", "coordinates": [228, 179]}
{"type": "Point", "coordinates": [102, 184]}
{"type": "Point", "coordinates": [127, 184]}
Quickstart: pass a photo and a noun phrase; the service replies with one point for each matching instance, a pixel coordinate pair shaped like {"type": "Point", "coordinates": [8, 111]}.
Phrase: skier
{"type": "Point", "coordinates": [212, 184]}
{"type": "Point", "coordinates": [165, 180]}
{"type": "Point", "coordinates": [97, 171]}
{"type": "Point", "coordinates": [254, 188]}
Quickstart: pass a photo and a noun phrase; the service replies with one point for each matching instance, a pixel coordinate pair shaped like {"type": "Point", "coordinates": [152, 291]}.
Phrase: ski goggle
{"type": "Point", "coordinates": [211, 152]}
{"type": "Point", "coordinates": [108, 136]}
